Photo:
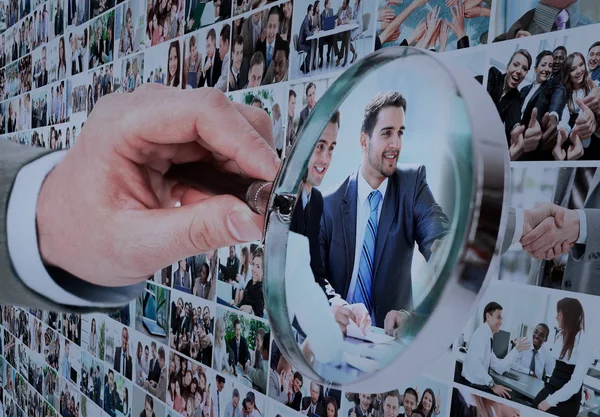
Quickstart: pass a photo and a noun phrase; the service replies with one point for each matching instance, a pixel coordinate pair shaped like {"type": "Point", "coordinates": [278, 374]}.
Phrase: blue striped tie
{"type": "Point", "coordinates": [362, 293]}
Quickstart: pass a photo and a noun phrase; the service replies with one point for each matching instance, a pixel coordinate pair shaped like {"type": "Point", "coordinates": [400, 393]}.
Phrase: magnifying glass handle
{"type": "Point", "coordinates": [206, 178]}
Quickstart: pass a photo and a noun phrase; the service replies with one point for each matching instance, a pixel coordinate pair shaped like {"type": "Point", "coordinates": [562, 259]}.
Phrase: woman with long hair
{"type": "Point", "coordinates": [428, 406]}
{"type": "Point", "coordinates": [244, 276]}
{"type": "Point", "coordinates": [62, 59]}
{"type": "Point", "coordinates": [561, 394]}
{"type": "Point", "coordinates": [173, 65]}
{"type": "Point", "coordinates": [331, 407]}
{"type": "Point", "coordinates": [253, 301]}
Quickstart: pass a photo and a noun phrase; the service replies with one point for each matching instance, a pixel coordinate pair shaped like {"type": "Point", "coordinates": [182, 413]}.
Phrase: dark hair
{"type": "Point", "coordinates": [236, 393]}
{"type": "Point", "coordinates": [220, 379]}
{"type": "Point", "coordinates": [161, 353]}
{"type": "Point", "coordinates": [275, 10]}
{"type": "Point", "coordinates": [281, 45]}
{"type": "Point", "coordinates": [257, 99]}
{"type": "Point", "coordinates": [546, 328]}
{"type": "Point", "coordinates": [566, 77]}
{"type": "Point", "coordinates": [393, 393]}
{"type": "Point", "coordinates": [298, 376]}
{"type": "Point", "coordinates": [258, 252]}
{"type": "Point", "coordinates": [573, 321]}
{"type": "Point", "coordinates": [411, 391]}
{"type": "Point", "coordinates": [212, 34]}
{"type": "Point", "coordinates": [420, 409]}
{"type": "Point", "coordinates": [266, 341]}
{"type": "Point", "coordinates": [490, 308]}
{"type": "Point", "coordinates": [239, 40]}
{"type": "Point", "coordinates": [309, 86]}
{"type": "Point", "coordinates": [335, 118]}
{"type": "Point", "coordinates": [378, 103]}
{"type": "Point", "coordinates": [523, 52]}
{"type": "Point", "coordinates": [597, 43]}
{"type": "Point", "coordinates": [150, 401]}
{"type": "Point", "coordinates": [174, 44]}
{"type": "Point", "coordinates": [257, 59]}
{"type": "Point", "coordinates": [236, 322]}
{"type": "Point", "coordinates": [291, 94]}
{"type": "Point", "coordinates": [225, 33]}
{"type": "Point", "coordinates": [560, 48]}
{"type": "Point", "coordinates": [541, 55]}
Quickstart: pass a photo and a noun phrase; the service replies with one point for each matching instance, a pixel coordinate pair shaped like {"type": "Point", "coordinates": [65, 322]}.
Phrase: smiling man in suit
{"type": "Point", "coordinates": [370, 224]}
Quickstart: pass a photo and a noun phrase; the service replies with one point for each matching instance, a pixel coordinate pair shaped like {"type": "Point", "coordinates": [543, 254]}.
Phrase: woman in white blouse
{"type": "Point", "coordinates": [244, 276]}
{"type": "Point", "coordinates": [93, 342]}
{"type": "Point", "coordinates": [561, 394]}
{"type": "Point", "coordinates": [220, 347]}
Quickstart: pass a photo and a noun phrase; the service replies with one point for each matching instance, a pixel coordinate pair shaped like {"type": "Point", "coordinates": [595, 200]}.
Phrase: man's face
{"type": "Point", "coordinates": [111, 380]}
{"type": "Point", "coordinates": [179, 310]}
{"type": "Point", "coordinates": [147, 353]}
{"type": "Point", "coordinates": [280, 66]}
{"type": "Point", "coordinates": [539, 337]}
{"type": "Point", "coordinates": [544, 69]}
{"type": "Point", "coordinates": [232, 252]}
{"type": "Point", "coordinates": [238, 54]}
{"type": "Point", "coordinates": [183, 265]}
{"type": "Point", "coordinates": [210, 47]}
{"type": "Point", "coordinates": [391, 406]}
{"type": "Point", "coordinates": [494, 320]}
{"type": "Point", "coordinates": [235, 401]}
{"type": "Point", "coordinates": [321, 157]}
{"type": "Point", "coordinates": [296, 385]}
{"type": "Point", "coordinates": [311, 97]}
{"type": "Point", "coordinates": [409, 403]}
{"type": "Point", "coordinates": [255, 75]}
{"type": "Point", "coordinates": [291, 106]}
{"type": "Point", "coordinates": [594, 58]}
{"type": "Point", "coordinates": [238, 331]}
{"type": "Point", "coordinates": [206, 316]}
{"type": "Point", "coordinates": [223, 48]}
{"type": "Point", "coordinates": [365, 401]}
{"type": "Point", "coordinates": [272, 28]}
{"type": "Point", "coordinates": [384, 146]}
{"type": "Point", "coordinates": [559, 58]}
{"type": "Point", "coordinates": [315, 391]}
{"type": "Point", "coordinates": [124, 339]}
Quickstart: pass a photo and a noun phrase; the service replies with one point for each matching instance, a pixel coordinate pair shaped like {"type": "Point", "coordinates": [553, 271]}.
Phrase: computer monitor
{"type": "Point", "coordinates": [150, 305]}
{"type": "Point", "coordinates": [500, 343]}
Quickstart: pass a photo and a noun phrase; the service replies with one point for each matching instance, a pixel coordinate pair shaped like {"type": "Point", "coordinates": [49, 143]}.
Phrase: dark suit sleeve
{"type": "Point", "coordinates": [463, 42]}
{"type": "Point", "coordinates": [429, 220]}
{"type": "Point", "coordinates": [558, 100]}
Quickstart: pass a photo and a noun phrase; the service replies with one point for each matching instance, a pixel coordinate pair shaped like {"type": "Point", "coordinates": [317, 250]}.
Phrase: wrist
{"type": "Point", "coordinates": [572, 226]}
{"type": "Point", "coordinates": [45, 217]}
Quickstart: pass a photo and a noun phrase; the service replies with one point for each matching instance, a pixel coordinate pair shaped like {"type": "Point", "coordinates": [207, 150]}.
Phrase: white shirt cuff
{"type": "Point", "coordinates": [582, 227]}
{"type": "Point", "coordinates": [519, 221]}
{"type": "Point", "coordinates": [555, 114]}
{"type": "Point", "coordinates": [22, 235]}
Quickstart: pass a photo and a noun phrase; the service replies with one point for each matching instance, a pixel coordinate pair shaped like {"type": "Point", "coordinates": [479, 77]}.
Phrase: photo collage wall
{"type": "Point", "coordinates": [197, 341]}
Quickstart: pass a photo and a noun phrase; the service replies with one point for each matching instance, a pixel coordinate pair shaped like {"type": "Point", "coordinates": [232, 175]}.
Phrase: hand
{"type": "Point", "coordinates": [517, 144]}
{"type": "Point", "coordinates": [543, 406]}
{"type": "Point", "coordinates": [362, 318]}
{"type": "Point", "coordinates": [392, 38]}
{"type": "Point", "coordinates": [444, 33]}
{"type": "Point", "coordinates": [418, 33]}
{"type": "Point", "coordinates": [549, 131]}
{"type": "Point", "coordinates": [436, 35]}
{"type": "Point", "coordinates": [438, 402]}
{"type": "Point", "coordinates": [576, 149]}
{"type": "Point", "coordinates": [458, 20]}
{"type": "Point", "coordinates": [246, 309]}
{"type": "Point", "coordinates": [477, 11]}
{"type": "Point", "coordinates": [586, 121]}
{"type": "Point", "coordinates": [521, 344]}
{"type": "Point", "coordinates": [592, 100]}
{"type": "Point", "coordinates": [419, 3]}
{"type": "Point", "coordinates": [533, 133]}
{"type": "Point", "coordinates": [502, 391]}
{"type": "Point", "coordinates": [385, 14]}
{"type": "Point", "coordinates": [522, 34]}
{"type": "Point", "coordinates": [558, 152]}
{"type": "Point", "coordinates": [396, 322]}
{"type": "Point", "coordinates": [115, 176]}
{"type": "Point", "coordinates": [207, 65]}
{"type": "Point", "coordinates": [190, 23]}
{"type": "Point", "coordinates": [342, 316]}
{"type": "Point", "coordinates": [558, 234]}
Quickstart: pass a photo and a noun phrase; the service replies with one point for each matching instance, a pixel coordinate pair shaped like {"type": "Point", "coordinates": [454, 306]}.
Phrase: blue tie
{"type": "Point", "coordinates": [362, 294]}
{"type": "Point", "coordinates": [269, 55]}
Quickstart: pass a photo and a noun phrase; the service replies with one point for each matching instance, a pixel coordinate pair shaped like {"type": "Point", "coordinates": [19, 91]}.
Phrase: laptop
{"type": "Point", "coordinates": [329, 23]}
{"type": "Point", "coordinates": [149, 318]}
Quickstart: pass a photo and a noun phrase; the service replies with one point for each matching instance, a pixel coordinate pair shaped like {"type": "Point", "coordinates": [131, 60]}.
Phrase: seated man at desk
{"type": "Point", "coordinates": [536, 361]}
{"type": "Point", "coordinates": [480, 356]}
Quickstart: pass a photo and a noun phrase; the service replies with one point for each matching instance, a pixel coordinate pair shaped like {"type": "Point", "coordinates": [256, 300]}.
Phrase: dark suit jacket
{"type": "Point", "coordinates": [261, 46]}
{"type": "Point", "coordinates": [304, 32]}
{"type": "Point", "coordinates": [242, 79]}
{"type": "Point", "coordinates": [296, 401]}
{"type": "Point", "coordinates": [213, 73]}
{"type": "Point", "coordinates": [303, 116]}
{"type": "Point", "coordinates": [43, 79]}
{"type": "Point", "coordinates": [421, 220]}
{"type": "Point", "coordinates": [59, 23]}
{"type": "Point", "coordinates": [244, 352]}
{"type": "Point", "coordinates": [154, 372]}
{"type": "Point", "coordinates": [128, 363]}
{"type": "Point", "coordinates": [509, 106]}
{"type": "Point", "coordinates": [319, 410]}
{"type": "Point", "coordinates": [521, 24]}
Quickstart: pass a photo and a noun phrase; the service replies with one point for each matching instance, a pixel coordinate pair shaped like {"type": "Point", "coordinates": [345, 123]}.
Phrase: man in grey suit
{"type": "Point", "coordinates": [109, 186]}
{"type": "Point", "coordinates": [549, 230]}
{"type": "Point", "coordinates": [311, 101]}
{"type": "Point", "coordinates": [370, 262]}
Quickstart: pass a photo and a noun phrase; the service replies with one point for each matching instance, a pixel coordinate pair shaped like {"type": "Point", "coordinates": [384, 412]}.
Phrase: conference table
{"type": "Point", "coordinates": [330, 32]}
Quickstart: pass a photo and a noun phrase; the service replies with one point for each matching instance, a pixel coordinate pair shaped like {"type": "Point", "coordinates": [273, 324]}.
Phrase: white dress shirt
{"type": "Point", "coordinates": [363, 211]}
{"type": "Point", "coordinates": [22, 240]}
{"type": "Point", "coordinates": [480, 358]}
{"type": "Point", "coordinates": [544, 362]}
{"type": "Point", "coordinates": [582, 357]}
{"type": "Point", "coordinates": [520, 221]}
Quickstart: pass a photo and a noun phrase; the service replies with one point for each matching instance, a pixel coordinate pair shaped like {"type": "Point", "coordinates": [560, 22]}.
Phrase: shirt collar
{"type": "Point", "coordinates": [488, 330]}
{"type": "Point", "coordinates": [364, 189]}
{"type": "Point", "coordinates": [545, 15]}
{"type": "Point", "coordinates": [305, 197]}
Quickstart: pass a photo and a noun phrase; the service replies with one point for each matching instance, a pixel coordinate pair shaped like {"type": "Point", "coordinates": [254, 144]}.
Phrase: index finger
{"type": "Point", "coordinates": [168, 115]}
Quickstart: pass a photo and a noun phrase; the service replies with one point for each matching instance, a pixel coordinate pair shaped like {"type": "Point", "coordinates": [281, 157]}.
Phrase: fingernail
{"type": "Point", "coordinates": [242, 227]}
{"type": "Point", "coordinates": [276, 162]}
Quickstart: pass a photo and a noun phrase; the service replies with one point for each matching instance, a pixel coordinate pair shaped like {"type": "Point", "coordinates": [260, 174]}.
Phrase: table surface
{"type": "Point", "coordinates": [335, 30]}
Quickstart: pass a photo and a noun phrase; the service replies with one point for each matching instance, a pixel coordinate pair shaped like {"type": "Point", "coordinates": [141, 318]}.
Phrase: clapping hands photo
{"type": "Point", "coordinates": [549, 230]}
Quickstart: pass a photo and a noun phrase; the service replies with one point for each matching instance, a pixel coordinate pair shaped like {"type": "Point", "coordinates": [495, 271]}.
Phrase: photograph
{"type": "Point", "coordinates": [54, 14]}
{"type": "Point", "coordinates": [93, 338]}
{"type": "Point", "coordinates": [51, 382]}
{"type": "Point", "coordinates": [70, 399]}
{"type": "Point", "coordinates": [71, 327]}
{"type": "Point", "coordinates": [534, 17]}
{"type": "Point", "coordinates": [78, 12]}
{"type": "Point", "coordinates": [52, 348]}
{"type": "Point", "coordinates": [101, 38]}
{"type": "Point", "coordinates": [165, 21]}
{"type": "Point", "coordinates": [198, 13]}
{"type": "Point", "coordinates": [543, 353]}
{"type": "Point", "coordinates": [70, 361]}
{"type": "Point", "coordinates": [118, 349]}
{"type": "Point", "coordinates": [152, 312]}
{"type": "Point", "coordinates": [129, 27]}
{"type": "Point", "coordinates": [206, 58]}
{"type": "Point", "coordinates": [196, 275]}
{"type": "Point", "coordinates": [78, 98]}
{"type": "Point", "coordinates": [162, 64]}
{"type": "Point", "coordinates": [42, 25]}
{"type": "Point", "coordinates": [118, 394]}
{"type": "Point", "coordinates": [467, 404]}
{"type": "Point", "coordinates": [150, 365]}
{"type": "Point", "coordinates": [92, 374]}
{"type": "Point", "coordinates": [545, 90]}
{"type": "Point", "coordinates": [146, 405]}
{"type": "Point", "coordinates": [131, 75]}
{"type": "Point", "coordinates": [79, 48]}
{"type": "Point", "coordinates": [102, 84]}
{"type": "Point", "coordinates": [39, 108]}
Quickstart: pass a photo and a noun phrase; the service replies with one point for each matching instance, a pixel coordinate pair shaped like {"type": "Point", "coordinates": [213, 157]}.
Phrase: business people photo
{"type": "Point", "coordinates": [550, 241]}
{"type": "Point", "coordinates": [467, 404]}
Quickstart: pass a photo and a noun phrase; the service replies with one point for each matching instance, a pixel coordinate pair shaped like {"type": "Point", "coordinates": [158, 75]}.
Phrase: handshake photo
{"type": "Point", "coordinates": [548, 230]}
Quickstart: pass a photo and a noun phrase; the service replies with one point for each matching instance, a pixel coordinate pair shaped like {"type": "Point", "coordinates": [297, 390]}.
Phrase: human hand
{"type": "Point", "coordinates": [556, 230]}
{"type": "Point", "coordinates": [592, 100]}
{"type": "Point", "coordinates": [385, 14]}
{"type": "Point", "coordinates": [502, 391]}
{"type": "Point", "coordinates": [444, 33]}
{"type": "Point", "coordinates": [521, 344]}
{"type": "Point", "coordinates": [549, 131]}
{"type": "Point", "coordinates": [586, 121]}
{"type": "Point", "coordinates": [522, 34]}
{"type": "Point", "coordinates": [576, 148]}
{"type": "Point", "coordinates": [558, 152]}
{"type": "Point", "coordinates": [393, 36]}
{"type": "Point", "coordinates": [396, 322]}
{"type": "Point", "coordinates": [533, 133]}
{"type": "Point", "coordinates": [436, 34]}
{"type": "Point", "coordinates": [342, 316]}
{"type": "Point", "coordinates": [418, 33]}
{"type": "Point", "coordinates": [517, 145]}
{"type": "Point", "coordinates": [458, 20]}
{"type": "Point", "coordinates": [438, 402]}
{"type": "Point", "coordinates": [362, 318]}
{"type": "Point", "coordinates": [477, 11]}
{"type": "Point", "coordinates": [543, 406]}
{"type": "Point", "coordinates": [246, 309]}
{"type": "Point", "coordinates": [117, 191]}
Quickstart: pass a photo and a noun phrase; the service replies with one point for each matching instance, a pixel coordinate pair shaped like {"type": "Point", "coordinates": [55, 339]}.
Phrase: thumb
{"type": "Point", "coordinates": [590, 82]}
{"type": "Point", "coordinates": [533, 119]}
{"type": "Point", "coordinates": [559, 216]}
{"type": "Point", "coordinates": [545, 119]}
{"type": "Point", "coordinates": [582, 105]}
{"type": "Point", "coordinates": [169, 234]}
{"type": "Point", "coordinates": [562, 135]}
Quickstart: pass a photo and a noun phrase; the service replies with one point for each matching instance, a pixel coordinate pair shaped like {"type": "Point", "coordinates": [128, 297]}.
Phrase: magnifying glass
{"type": "Point", "coordinates": [383, 222]}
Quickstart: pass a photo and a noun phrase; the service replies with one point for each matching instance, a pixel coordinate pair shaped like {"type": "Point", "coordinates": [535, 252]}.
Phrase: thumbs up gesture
{"type": "Point", "coordinates": [558, 152]}
{"type": "Point", "coordinates": [576, 148]}
{"type": "Point", "coordinates": [517, 143]}
{"type": "Point", "coordinates": [592, 100]}
{"type": "Point", "coordinates": [586, 122]}
{"type": "Point", "coordinates": [549, 131]}
{"type": "Point", "coordinates": [533, 133]}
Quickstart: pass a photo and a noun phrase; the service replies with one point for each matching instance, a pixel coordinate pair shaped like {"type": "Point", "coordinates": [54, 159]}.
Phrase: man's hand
{"type": "Point", "coordinates": [517, 144]}
{"type": "Point", "coordinates": [576, 149]}
{"type": "Point", "coordinates": [549, 131]}
{"type": "Point", "coordinates": [111, 184]}
{"type": "Point", "coordinates": [458, 20]}
{"type": "Point", "coordinates": [477, 11]}
{"type": "Point", "coordinates": [554, 235]}
{"type": "Point", "coordinates": [533, 134]}
{"type": "Point", "coordinates": [385, 14]}
{"type": "Point", "coordinates": [558, 152]}
{"type": "Point", "coordinates": [522, 34]}
{"type": "Point", "coordinates": [343, 315]}
{"type": "Point", "coordinates": [396, 322]}
{"type": "Point", "coordinates": [362, 318]}
{"type": "Point", "coordinates": [592, 100]}
{"type": "Point", "coordinates": [521, 344]}
{"type": "Point", "coordinates": [502, 391]}
{"type": "Point", "coordinates": [586, 121]}
{"type": "Point", "coordinates": [543, 406]}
